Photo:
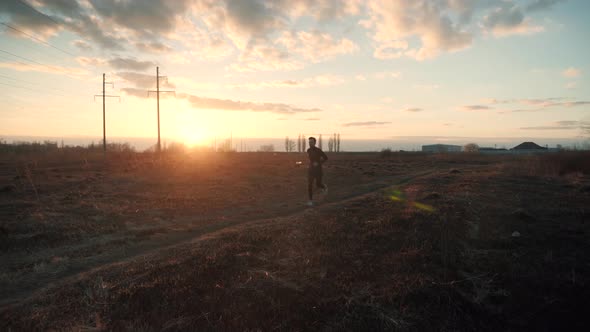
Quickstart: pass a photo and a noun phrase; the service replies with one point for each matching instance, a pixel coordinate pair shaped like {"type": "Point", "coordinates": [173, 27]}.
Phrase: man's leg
{"type": "Point", "coordinates": [319, 182]}
{"type": "Point", "coordinates": [310, 179]}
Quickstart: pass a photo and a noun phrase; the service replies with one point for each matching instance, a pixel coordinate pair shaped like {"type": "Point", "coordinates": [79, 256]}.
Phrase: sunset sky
{"type": "Point", "coordinates": [366, 69]}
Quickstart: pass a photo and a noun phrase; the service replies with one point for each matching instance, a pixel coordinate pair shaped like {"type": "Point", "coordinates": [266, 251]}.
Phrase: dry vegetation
{"type": "Point", "coordinates": [207, 241]}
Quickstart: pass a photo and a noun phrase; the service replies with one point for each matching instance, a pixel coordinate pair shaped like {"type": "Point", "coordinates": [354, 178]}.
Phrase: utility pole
{"type": "Point", "coordinates": [158, 100]}
{"type": "Point", "coordinates": [104, 96]}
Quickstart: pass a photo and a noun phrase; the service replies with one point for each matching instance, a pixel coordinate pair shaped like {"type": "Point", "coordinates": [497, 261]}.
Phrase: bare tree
{"type": "Point", "coordinates": [320, 143]}
{"type": "Point", "coordinates": [289, 144]}
{"type": "Point", "coordinates": [338, 142]}
{"type": "Point", "coordinates": [471, 147]}
{"type": "Point", "coordinates": [331, 144]}
{"type": "Point", "coordinates": [304, 143]}
{"type": "Point", "coordinates": [299, 143]}
{"type": "Point", "coordinates": [267, 148]}
{"type": "Point", "coordinates": [225, 146]}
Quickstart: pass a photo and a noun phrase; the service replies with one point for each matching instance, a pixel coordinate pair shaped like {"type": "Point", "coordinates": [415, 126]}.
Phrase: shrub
{"type": "Point", "coordinates": [386, 153]}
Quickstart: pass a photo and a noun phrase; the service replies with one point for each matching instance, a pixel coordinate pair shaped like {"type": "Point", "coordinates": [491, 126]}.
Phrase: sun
{"type": "Point", "coordinates": [191, 129]}
{"type": "Point", "coordinates": [193, 137]}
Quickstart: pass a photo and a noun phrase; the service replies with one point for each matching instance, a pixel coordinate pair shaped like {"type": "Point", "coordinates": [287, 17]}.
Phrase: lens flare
{"type": "Point", "coordinates": [398, 196]}
{"type": "Point", "coordinates": [424, 207]}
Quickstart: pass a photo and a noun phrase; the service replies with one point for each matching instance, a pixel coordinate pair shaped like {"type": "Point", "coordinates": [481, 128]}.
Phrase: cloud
{"type": "Point", "coordinates": [322, 10]}
{"type": "Point", "coordinates": [58, 70]}
{"type": "Point", "coordinates": [82, 45]}
{"type": "Point", "coordinates": [88, 61]}
{"type": "Point", "coordinates": [257, 22]}
{"type": "Point", "coordinates": [266, 58]}
{"type": "Point", "coordinates": [387, 74]}
{"type": "Point", "coordinates": [476, 107]}
{"type": "Point", "coordinates": [543, 104]}
{"type": "Point", "coordinates": [233, 105]}
{"type": "Point", "coordinates": [395, 23]}
{"type": "Point", "coordinates": [571, 72]}
{"type": "Point", "coordinates": [253, 18]}
{"type": "Point", "coordinates": [90, 27]}
{"type": "Point", "coordinates": [509, 19]}
{"type": "Point", "coordinates": [117, 63]}
{"type": "Point", "coordinates": [562, 125]}
{"type": "Point", "coordinates": [494, 101]}
{"type": "Point", "coordinates": [144, 93]}
{"type": "Point", "coordinates": [229, 105]}
{"type": "Point", "coordinates": [538, 5]}
{"type": "Point", "coordinates": [291, 51]}
{"type": "Point", "coordinates": [130, 63]}
{"type": "Point", "coordinates": [413, 110]}
{"type": "Point", "coordinates": [316, 46]}
{"type": "Point", "coordinates": [428, 87]}
{"type": "Point", "coordinates": [539, 102]}
{"type": "Point", "coordinates": [571, 85]}
{"type": "Point", "coordinates": [153, 47]}
{"type": "Point", "coordinates": [144, 18]}
{"type": "Point", "coordinates": [135, 92]}
{"type": "Point", "coordinates": [69, 8]}
{"type": "Point", "coordinates": [563, 104]}
{"type": "Point", "coordinates": [365, 124]}
{"type": "Point", "coordinates": [280, 35]}
{"type": "Point", "coordinates": [75, 17]}
{"type": "Point", "coordinates": [568, 123]}
{"type": "Point", "coordinates": [30, 21]}
{"type": "Point", "coordinates": [312, 119]}
{"type": "Point", "coordinates": [571, 104]}
{"type": "Point", "coordinates": [143, 81]}
{"type": "Point", "coordinates": [520, 110]}
{"type": "Point", "coordinates": [320, 80]}
{"type": "Point", "coordinates": [109, 24]}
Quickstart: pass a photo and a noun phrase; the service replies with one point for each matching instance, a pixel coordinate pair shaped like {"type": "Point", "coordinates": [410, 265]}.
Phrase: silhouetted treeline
{"type": "Point", "coordinates": [27, 147]}
{"type": "Point", "coordinates": [52, 146]}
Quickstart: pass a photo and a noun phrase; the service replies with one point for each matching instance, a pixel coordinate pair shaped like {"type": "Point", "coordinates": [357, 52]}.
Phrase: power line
{"type": "Point", "coordinates": [33, 83]}
{"type": "Point", "coordinates": [24, 58]}
{"type": "Point", "coordinates": [33, 90]}
{"type": "Point", "coordinates": [37, 39]}
{"type": "Point", "coordinates": [36, 62]}
{"type": "Point", "coordinates": [16, 61]}
{"type": "Point", "coordinates": [16, 99]}
{"type": "Point", "coordinates": [17, 86]}
{"type": "Point", "coordinates": [16, 79]}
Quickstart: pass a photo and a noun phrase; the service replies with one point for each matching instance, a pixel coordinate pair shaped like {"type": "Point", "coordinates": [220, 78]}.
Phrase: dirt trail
{"type": "Point", "coordinates": [76, 269]}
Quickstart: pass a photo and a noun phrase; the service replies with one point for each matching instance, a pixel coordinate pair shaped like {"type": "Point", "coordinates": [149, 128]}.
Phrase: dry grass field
{"type": "Point", "coordinates": [223, 241]}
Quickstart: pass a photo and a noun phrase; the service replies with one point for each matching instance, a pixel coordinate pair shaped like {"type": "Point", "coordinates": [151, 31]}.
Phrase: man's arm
{"type": "Point", "coordinates": [324, 157]}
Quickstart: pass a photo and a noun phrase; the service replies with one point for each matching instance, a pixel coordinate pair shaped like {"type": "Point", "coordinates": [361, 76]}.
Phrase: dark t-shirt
{"type": "Point", "coordinates": [316, 158]}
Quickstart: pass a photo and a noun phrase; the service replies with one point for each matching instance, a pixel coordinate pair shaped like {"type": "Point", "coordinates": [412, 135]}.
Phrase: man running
{"type": "Point", "coordinates": [317, 158]}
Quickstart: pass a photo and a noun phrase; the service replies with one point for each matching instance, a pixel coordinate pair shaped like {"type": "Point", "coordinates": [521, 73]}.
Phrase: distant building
{"type": "Point", "coordinates": [528, 146]}
{"type": "Point", "coordinates": [440, 148]}
{"type": "Point", "coordinates": [489, 150]}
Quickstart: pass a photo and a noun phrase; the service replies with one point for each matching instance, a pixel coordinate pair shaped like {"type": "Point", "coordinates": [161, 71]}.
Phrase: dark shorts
{"type": "Point", "coordinates": [315, 174]}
